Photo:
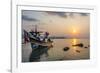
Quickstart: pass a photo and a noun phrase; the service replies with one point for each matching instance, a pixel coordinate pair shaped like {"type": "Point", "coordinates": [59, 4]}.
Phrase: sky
{"type": "Point", "coordinates": [69, 24]}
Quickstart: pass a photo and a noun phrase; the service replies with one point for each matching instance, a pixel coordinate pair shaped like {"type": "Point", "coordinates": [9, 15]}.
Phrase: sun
{"type": "Point", "coordinates": [74, 31]}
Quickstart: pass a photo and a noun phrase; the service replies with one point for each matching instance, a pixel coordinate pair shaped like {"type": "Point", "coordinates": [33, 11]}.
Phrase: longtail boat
{"type": "Point", "coordinates": [34, 40]}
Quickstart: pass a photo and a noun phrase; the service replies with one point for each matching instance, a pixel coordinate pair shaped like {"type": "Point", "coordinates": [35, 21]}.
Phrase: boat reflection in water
{"type": "Point", "coordinates": [38, 52]}
{"type": "Point", "coordinates": [39, 48]}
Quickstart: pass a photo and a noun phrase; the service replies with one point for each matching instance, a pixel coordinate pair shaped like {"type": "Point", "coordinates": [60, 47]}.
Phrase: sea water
{"type": "Point", "coordinates": [57, 53]}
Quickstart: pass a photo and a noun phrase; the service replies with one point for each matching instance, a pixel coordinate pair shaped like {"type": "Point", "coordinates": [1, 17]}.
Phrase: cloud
{"type": "Point", "coordinates": [27, 18]}
{"type": "Point", "coordinates": [84, 14]}
{"type": "Point", "coordinates": [60, 14]}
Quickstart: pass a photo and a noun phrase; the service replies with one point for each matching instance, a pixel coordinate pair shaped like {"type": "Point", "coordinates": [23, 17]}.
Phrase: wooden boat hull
{"type": "Point", "coordinates": [37, 42]}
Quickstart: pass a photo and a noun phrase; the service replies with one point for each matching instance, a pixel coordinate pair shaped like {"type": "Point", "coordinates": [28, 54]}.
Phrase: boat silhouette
{"type": "Point", "coordinates": [39, 47]}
